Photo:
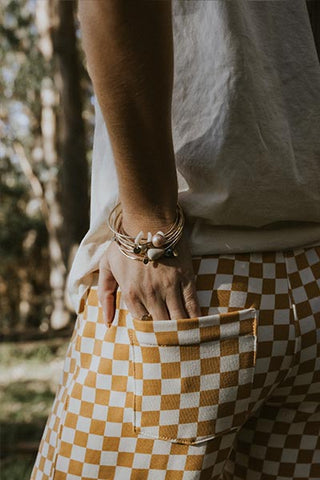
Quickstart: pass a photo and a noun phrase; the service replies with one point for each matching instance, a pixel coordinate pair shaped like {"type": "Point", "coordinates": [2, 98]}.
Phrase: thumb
{"type": "Point", "coordinates": [107, 289]}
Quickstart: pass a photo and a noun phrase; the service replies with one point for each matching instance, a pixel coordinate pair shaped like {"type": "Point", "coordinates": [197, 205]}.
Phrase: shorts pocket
{"type": "Point", "coordinates": [193, 377]}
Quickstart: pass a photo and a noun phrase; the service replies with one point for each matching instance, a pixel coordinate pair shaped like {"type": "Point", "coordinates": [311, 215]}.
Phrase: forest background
{"type": "Point", "coordinates": [46, 132]}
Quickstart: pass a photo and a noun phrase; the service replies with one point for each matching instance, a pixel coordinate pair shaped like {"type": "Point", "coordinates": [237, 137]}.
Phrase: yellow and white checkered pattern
{"type": "Point", "coordinates": [233, 394]}
{"type": "Point", "coordinates": [192, 377]}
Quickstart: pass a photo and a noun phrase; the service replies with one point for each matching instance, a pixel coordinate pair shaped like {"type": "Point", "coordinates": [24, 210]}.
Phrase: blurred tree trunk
{"type": "Point", "coordinates": [71, 131]}
{"type": "Point", "coordinates": [63, 136]}
{"type": "Point", "coordinates": [49, 101]}
{"type": "Point", "coordinates": [314, 15]}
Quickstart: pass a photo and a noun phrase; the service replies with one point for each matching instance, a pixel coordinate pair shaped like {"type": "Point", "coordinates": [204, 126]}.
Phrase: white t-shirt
{"type": "Point", "coordinates": [245, 117]}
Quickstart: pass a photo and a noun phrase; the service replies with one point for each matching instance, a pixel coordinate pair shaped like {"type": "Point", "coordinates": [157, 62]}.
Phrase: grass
{"type": "Point", "coordinates": [29, 375]}
{"type": "Point", "coordinates": [17, 467]}
{"type": "Point", "coordinates": [14, 353]}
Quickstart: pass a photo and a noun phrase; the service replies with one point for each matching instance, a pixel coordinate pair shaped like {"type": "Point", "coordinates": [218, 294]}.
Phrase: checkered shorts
{"type": "Point", "coordinates": [232, 394]}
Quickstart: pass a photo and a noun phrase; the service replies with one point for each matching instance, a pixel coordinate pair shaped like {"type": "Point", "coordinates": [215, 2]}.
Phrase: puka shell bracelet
{"type": "Point", "coordinates": [146, 249]}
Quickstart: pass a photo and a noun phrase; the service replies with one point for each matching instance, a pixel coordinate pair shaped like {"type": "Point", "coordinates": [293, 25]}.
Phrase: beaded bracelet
{"type": "Point", "coordinates": [146, 249]}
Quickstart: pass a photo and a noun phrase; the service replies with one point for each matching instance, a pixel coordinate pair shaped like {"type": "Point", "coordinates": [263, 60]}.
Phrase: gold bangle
{"type": "Point", "coordinates": [143, 249]}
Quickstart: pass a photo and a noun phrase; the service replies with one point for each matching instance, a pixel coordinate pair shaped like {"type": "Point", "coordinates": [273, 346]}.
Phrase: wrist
{"type": "Point", "coordinates": [148, 244]}
{"type": "Point", "coordinates": [133, 224]}
{"type": "Point", "coordinates": [148, 221]}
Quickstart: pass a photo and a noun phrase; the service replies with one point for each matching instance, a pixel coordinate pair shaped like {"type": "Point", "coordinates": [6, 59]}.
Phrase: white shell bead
{"type": "Point", "coordinates": [149, 238]}
{"type": "Point", "coordinates": [158, 239]}
{"type": "Point", "coordinates": [154, 253]}
{"type": "Point", "coordinates": [138, 237]}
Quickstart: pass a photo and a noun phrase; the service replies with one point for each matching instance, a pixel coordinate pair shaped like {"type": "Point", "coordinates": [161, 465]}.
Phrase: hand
{"type": "Point", "coordinates": [166, 290]}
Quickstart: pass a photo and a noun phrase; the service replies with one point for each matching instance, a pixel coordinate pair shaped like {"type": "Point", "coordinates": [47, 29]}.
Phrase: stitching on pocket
{"type": "Point", "coordinates": [134, 413]}
{"type": "Point", "coordinates": [172, 404]}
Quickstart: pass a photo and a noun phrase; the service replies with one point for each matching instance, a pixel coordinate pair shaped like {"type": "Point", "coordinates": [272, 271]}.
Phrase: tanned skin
{"type": "Point", "coordinates": [129, 51]}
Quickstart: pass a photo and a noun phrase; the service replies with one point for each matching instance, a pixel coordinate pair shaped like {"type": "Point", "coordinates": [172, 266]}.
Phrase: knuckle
{"type": "Point", "coordinates": [131, 295]}
{"type": "Point", "coordinates": [191, 300]}
{"type": "Point", "coordinates": [191, 305]}
{"type": "Point", "coordinates": [189, 283]}
{"type": "Point", "coordinates": [168, 283]}
{"type": "Point", "coordinates": [188, 280]}
{"type": "Point", "coordinates": [173, 279]}
{"type": "Point", "coordinates": [193, 310]}
{"type": "Point", "coordinates": [102, 261]}
{"type": "Point", "coordinates": [150, 291]}
{"type": "Point", "coordinates": [102, 295]}
{"type": "Point", "coordinates": [187, 273]}
{"type": "Point", "coordinates": [189, 294]}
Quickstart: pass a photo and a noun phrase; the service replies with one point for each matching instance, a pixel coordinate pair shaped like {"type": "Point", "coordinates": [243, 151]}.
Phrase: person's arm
{"type": "Point", "coordinates": [129, 51]}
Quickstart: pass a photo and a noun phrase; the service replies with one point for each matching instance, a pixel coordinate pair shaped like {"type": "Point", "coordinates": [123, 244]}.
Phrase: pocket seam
{"type": "Point", "coordinates": [185, 442]}
{"type": "Point", "coordinates": [187, 344]}
{"type": "Point", "coordinates": [252, 313]}
{"type": "Point", "coordinates": [134, 423]}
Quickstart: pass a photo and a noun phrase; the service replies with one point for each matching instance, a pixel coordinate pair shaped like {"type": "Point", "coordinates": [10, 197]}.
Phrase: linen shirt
{"type": "Point", "coordinates": [245, 122]}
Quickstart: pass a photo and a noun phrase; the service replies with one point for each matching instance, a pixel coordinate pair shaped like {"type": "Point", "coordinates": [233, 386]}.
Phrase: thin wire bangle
{"type": "Point", "coordinates": [113, 211]}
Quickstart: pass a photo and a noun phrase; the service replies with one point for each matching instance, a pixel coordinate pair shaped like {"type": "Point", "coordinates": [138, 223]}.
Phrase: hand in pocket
{"type": "Point", "coordinates": [165, 290]}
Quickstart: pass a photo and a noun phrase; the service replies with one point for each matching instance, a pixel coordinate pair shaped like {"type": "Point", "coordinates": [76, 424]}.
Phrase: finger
{"type": "Point", "coordinates": [133, 304]}
{"type": "Point", "coordinates": [156, 305]}
{"type": "Point", "coordinates": [190, 297]}
{"type": "Point", "coordinates": [175, 304]}
{"type": "Point", "coordinates": [107, 289]}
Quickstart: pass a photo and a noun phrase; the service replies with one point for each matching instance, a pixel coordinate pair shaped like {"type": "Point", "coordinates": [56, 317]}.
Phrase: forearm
{"type": "Point", "coordinates": [128, 45]}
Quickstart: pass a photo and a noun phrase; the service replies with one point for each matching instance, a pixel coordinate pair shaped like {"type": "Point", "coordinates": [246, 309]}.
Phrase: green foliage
{"type": "Point", "coordinates": [23, 65]}
{"type": "Point", "coordinates": [23, 247]}
{"type": "Point", "coordinates": [33, 353]}
{"type": "Point", "coordinates": [33, 394]}
{"type": "Point", "coordinates": [23, 236]}
{"type": "Point", "coordinates": [16, 222]}
{"type": "Point", "coordinates": [25, 294]}
{"type": "Point", "coordinates": [26, 393]}
{"type": "Point", "coordinates": [17, 467]}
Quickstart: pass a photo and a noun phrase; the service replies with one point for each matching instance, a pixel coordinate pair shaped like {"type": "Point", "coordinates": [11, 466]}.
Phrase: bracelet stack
{"type": "Point", "coordinates": [152, 247]}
